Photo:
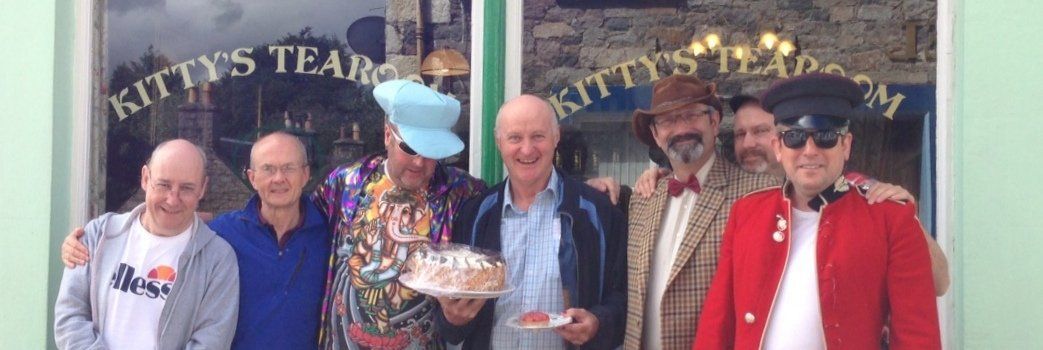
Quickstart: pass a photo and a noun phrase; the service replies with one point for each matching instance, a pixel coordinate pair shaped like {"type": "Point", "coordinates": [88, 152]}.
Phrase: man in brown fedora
{"type": "Point", "coordinates": [675, 235]}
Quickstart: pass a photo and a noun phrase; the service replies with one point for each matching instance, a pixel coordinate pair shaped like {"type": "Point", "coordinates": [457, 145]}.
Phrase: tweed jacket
{"type": "Point", "coordinates": [696, 260]}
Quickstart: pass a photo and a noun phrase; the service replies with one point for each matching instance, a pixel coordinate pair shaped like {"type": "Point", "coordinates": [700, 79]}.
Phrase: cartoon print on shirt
{"type": "Point", "coordinates": [382, 310]}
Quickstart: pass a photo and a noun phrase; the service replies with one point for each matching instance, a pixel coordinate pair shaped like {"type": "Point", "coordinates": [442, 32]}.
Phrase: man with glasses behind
{"type": "Point", "coordinates": [381, 209]}
{"type": "Point", "coordinates": [812, 264]}
{"type": "Point", "coordinates": [159, 277]}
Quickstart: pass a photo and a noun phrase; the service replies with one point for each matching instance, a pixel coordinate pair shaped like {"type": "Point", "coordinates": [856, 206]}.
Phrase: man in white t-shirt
{"type": "Point", "coordinates": [158, 277]}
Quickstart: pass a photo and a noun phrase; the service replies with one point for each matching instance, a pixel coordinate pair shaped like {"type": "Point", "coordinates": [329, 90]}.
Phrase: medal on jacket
{"type": "Point", "coordinates": [780, 225]}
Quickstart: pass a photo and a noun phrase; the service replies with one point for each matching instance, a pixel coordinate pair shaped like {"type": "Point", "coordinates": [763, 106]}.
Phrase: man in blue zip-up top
{"type": "Point", "coordinates": [282, 243]}
{"type": "Point", "coordinates": [562, 241]}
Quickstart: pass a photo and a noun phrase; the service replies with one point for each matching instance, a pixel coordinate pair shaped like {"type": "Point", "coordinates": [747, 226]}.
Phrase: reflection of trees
{"type": "Point", "coordinates": [331, 101]}
{"type": "Point", "coordinates": [131, 140]}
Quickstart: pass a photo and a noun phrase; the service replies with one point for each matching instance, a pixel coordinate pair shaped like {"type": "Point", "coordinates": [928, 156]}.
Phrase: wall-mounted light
{"type": "Point", "coordinates": [697, 48]}
{"type": "Point", "coordinates": [787, 47]}
{"type": "Point", "coordinates": [445, 63]}
{"type": "Point", "coordinates": [712, 41]}
{"type": "Point", "coordinates": [740, 51]}
{"type": "Point", "coordinates": [768, 40]}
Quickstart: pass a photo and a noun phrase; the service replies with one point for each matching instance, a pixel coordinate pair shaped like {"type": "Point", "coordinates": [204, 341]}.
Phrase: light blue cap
{"type": "Point", "coordinates": [424, 117]}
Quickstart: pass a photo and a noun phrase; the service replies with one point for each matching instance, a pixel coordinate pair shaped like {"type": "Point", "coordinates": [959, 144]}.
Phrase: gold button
{"type": "Point", "coordinates": [750, 318]}
{"type": "Point", "coordinates": [778, 237]}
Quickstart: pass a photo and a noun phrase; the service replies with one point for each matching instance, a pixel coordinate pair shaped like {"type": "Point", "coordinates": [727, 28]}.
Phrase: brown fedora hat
{"type": "Point", "coordinates": [669, 94]}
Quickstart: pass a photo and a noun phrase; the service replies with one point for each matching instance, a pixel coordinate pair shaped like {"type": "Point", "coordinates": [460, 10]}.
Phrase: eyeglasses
{"type": "Point", "coordinates": [183, 191]}
{"type": "Point", "coordinates": [797, 138]}
{"type": "Point", "coordinates": [402, 144]}
{"type": "Point", "coordinates": [669, 120]}
{"type": "Point", "coordinates": [287, 169]}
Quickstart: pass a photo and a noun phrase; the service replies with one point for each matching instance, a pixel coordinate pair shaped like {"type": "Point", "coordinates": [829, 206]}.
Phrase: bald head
{"type": "Point", "coordinates": [174, 181]}
{"type": "Point", "coordinates": [526, 105]}
{"type": "Point", "coordinates": [526, 135]}
{"type": "Point", "coordinates": [279, 171]}
{"type": "Point", "coordinates": [281, 140]}
{"type": "Point", "coordinates": [182, 152]}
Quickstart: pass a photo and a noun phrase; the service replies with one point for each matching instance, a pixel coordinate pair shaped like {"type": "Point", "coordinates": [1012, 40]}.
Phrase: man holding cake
{"type": "Point", "coordinates": [562, 242]}
{"type": "Point", "coordinates": [381, 210]}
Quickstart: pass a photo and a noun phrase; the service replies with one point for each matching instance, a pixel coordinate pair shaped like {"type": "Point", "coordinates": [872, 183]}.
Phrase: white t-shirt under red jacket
{"type": "Point", "coordinates": [141, 283]}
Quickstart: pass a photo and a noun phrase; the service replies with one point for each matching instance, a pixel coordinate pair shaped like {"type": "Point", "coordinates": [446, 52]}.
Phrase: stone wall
{"type": "Point", "coordinates": [565, 41]}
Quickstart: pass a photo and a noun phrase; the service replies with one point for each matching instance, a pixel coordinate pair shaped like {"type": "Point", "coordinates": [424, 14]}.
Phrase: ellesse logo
{"type": "Point", "coordinates": [157, 284]}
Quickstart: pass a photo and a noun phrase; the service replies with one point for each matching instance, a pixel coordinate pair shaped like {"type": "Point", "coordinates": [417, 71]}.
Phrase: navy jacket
{"type": "Point", "coordinates": [592, 259]}
{"type": "Point", "coordinates": [280, 289]}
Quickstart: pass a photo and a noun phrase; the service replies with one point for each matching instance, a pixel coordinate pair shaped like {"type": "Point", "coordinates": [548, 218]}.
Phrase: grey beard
{"type": "Point", "coordinates": [685, 154]}
{"type": "Point", "coordinates": [760, 167]}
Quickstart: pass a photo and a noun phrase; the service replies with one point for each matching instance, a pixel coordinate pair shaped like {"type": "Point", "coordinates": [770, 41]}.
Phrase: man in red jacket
{"type": "Point", "coordinates": [811, 264]}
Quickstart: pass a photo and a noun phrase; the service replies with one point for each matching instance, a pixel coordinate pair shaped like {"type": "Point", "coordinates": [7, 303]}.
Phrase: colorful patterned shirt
{"type": "Point", "coordinates": [376, 225]}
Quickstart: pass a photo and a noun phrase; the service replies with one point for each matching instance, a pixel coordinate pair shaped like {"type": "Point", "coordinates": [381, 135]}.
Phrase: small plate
{"type": "Point", "coordinates": [407, 280]}
{"type": "Point", "coordinates": [556, 320]}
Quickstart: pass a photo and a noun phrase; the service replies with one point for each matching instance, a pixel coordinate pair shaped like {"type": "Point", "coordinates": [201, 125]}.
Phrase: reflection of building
{"type": "Point", "coordinates": [225, 190]}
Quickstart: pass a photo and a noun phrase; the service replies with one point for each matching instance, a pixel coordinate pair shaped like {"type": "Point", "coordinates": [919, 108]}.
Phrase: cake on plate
{"type": "Point", "coordinates": [457, 267]}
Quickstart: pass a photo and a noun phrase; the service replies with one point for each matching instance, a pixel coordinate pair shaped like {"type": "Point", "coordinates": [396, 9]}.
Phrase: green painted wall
{"type": "Point", "coordinates": [27, 97]}
{"type": "Point", "coordinates": [999, 239]}
{"type": "Point", "coordinates": [997, 265]}
{"type": "Point", "coordinates": [62, 147]}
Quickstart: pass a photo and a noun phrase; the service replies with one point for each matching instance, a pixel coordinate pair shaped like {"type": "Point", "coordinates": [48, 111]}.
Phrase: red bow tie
{"type": "Point", "coordinates": [675, 187]}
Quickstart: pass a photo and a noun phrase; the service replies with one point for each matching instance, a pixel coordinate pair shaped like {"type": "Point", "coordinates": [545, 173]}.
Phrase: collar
{"type": "Point", "coordinates": [829, 195]}
{"type": "Point", "coordinates": [434, 185]}
{"type": "Point", "coordinates": [553, 188]}
{"type": "Point", "coordinates": [263, 221]}
{"type": "Point", "coordinates": [704, 172]}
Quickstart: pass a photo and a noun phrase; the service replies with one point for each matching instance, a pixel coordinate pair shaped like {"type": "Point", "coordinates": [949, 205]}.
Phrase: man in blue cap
{"type": "Point", "coordinates": [810, 264]}
{"type": "Point", "coordinates": [380, 210]}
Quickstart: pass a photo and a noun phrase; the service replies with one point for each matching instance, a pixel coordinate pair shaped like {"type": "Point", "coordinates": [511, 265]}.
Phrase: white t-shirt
{"type": "Point", "coordinates": [142, 281]}
{"type": "Point", "coordinates": [796, 321]}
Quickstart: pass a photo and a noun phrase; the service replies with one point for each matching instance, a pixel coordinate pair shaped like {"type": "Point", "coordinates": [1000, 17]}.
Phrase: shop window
{"type": "Point", "coordinates": [220, 73]}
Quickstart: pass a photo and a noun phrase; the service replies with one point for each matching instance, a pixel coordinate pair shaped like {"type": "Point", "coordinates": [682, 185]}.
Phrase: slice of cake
{"type": "Point", "coordinates": [534, 319]}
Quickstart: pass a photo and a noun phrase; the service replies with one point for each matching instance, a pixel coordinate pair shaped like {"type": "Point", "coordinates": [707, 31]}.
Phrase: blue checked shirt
{"type": "Point", "coordinates": [530, 248]}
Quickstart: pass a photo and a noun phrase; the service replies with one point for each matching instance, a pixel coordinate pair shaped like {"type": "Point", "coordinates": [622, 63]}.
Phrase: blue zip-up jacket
{"type": "Point", "coordinates": [280, 289]}
{"type": "Point", "coordinates": [592, 259]}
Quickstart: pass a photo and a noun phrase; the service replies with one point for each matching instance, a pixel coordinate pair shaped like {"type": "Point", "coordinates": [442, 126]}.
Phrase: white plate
{"type": "Point", "coordinates": [556, 320]}
{"type": "Point", "coordinates": [407, 280]}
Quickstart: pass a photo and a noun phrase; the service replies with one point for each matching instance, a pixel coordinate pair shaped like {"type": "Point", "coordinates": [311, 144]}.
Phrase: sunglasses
{"type": "Point", "coordinates": [797, 138]}
{"type": "Point", "coordinates": [402, 144]}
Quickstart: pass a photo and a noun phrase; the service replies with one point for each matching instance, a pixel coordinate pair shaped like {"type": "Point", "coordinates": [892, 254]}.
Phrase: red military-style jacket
{"type": "Point", "coordinates": [872, 263]}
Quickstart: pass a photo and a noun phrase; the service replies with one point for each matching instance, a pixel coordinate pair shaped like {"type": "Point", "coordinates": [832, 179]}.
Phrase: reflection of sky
{"type": "Point", "coordinates": [185, 29]}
